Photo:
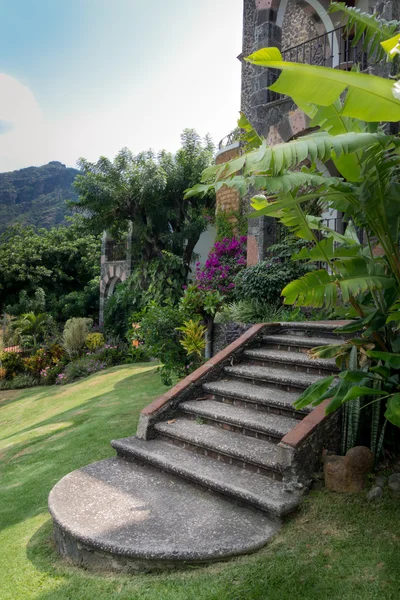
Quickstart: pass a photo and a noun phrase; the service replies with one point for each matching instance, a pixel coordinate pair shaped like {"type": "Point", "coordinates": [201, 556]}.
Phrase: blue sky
{"type": "Point", "coordinates": [87, 77]}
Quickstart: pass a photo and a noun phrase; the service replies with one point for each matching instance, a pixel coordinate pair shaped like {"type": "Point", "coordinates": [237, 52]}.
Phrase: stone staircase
{"type": "Point", "coordinates": [226, 441]}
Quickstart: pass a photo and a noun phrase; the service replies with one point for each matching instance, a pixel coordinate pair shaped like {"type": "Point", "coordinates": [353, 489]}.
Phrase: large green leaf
{"type": "Point", "coordinates": [359, 275]}
{"type": "Point", "coordinates": [354, 276]}
{"type": "Point", "coordinates": [326, 248]}
{"type": "Point", "coordinates": [375, 30]}
{"type": "Point", "coordinates": [357, 391]}
{"type": "Point", "coordinates": [369, 97]}
{"type": "Point", "coordinates": [249, 136]}
{"type": "Point", "coordinates": [313, 394]}
{"type": "Point", "coordinates": [388, 357]}
{"type": "Point", "coordinates": [277, 159]}
{"type": "Point", "coordinates": [317, 289]}
{"type": "Point", "coordinates": [393, 409]}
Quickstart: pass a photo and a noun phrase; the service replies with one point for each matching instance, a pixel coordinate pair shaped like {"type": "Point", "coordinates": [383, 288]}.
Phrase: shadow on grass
{"type": "Point", "coordinates": [70, 439]}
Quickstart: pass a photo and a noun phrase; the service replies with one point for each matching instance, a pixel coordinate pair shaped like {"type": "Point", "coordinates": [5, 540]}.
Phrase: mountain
{"type": "Point", "coordinates": [36, 195]}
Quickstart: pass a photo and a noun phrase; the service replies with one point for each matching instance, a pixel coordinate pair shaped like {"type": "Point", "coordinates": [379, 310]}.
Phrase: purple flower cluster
{"type": "Point", "coordinates": [95, 366]}
{"type": "Point", "coordinates": [225, 260]}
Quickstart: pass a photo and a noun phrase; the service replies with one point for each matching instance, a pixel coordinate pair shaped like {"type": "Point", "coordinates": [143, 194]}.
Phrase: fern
{"type": "Point", "coordinates": [374, 30]}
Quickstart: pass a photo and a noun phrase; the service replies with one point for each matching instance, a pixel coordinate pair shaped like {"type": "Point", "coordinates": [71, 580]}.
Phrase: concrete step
{"type": "Point", "coordinates": [230, 480]}
{"type": "Point", "coordinates": [116, 514]}
{"type": "Point", "coordinates": [293, 343]}
{"type": "Point", "coordinates": [247, 421]}
{"type": "Point", "coordinates": [263, 398]}
{"type": "Point", "coordinates": [291, 381]}
{"type": "Point", "coordinates": [297, 361]}
{"type": "Point", "coordinates": [232, 448]}
{"type": "Point", "coordinates": [314, 328]}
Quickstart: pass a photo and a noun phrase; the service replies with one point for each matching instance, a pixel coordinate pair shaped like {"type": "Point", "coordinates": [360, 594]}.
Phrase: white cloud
{"type": "Point", "coordinates": [22, 142]}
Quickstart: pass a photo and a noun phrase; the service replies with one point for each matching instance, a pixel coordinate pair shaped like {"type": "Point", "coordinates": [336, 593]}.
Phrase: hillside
{"type": "Point", "coordinates": [36, 195]}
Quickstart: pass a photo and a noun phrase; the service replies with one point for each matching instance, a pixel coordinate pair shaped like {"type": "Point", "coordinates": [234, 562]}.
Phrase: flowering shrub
{"type": "Point", "coordinates": [226, 259]}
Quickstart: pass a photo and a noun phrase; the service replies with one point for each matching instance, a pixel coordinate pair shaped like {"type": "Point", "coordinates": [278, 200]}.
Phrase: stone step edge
{"type": "Point", "coordinates": [285, 407]}
{"type": "Point", "coordinates": [268, 377]}
{"type": "Point", "coordinates": [195, 408]}
{"type": "Point", "coordinates": [262, 503]}
{"type": "Point", "coordinates": [314, 325]}
{"type": "Point", "coordinates": [298, 341]}
{"type": "Point", "coordinates": [267, 466]}
{"type": "Point", "coordinates": [293, 358]}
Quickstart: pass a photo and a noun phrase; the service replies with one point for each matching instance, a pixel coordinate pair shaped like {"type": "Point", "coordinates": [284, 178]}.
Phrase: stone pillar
{"type": "Point", "coordinates": [259, 31]}
{"type": "Point", "coordinates": [227, 198]}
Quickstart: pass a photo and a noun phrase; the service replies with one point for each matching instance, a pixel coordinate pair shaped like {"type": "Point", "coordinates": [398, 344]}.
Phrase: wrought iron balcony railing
{"type": "Point", "coordinates": [229, 139]}
{"type": "Point", "coordinates": [115, 251]}
{"type": "Point", "coordinates": [332, 49]}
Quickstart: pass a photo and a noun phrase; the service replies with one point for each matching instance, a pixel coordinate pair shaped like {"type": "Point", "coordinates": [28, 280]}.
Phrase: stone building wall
{"type": "Point", "coordinates": [284, 24]}
{"type": "Point", "coordinates": [297, 26]}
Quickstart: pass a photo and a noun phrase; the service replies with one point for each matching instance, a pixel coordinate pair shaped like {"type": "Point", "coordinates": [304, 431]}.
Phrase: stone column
{"type": "Point", "coordinates": [228, 198]}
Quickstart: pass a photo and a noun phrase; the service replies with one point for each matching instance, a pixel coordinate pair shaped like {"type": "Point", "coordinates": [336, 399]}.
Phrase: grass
{"type": "Point", "coordinates": [337, 547]}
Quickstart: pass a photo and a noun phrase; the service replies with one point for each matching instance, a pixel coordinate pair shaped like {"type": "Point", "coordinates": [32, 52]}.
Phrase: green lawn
{"type": "Point", "coordinates": [337, 547]}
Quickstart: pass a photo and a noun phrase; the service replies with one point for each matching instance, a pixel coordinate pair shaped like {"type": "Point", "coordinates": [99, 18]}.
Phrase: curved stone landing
{"type": "Point", "coordinates": [128, 516]}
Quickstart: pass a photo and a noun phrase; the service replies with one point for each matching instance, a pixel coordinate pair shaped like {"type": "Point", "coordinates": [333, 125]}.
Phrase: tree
{"type": "Point", "coordinates": [62, 261]}
{"type": "Point", "coordinates": [147, 190]}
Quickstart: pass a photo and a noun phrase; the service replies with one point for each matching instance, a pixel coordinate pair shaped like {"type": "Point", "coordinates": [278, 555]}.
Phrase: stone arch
{"type": "Point", "coordinates": [302, 20]}
{"type": "Point", "coordinates": [110, 286]}
{"type": "Point", "coordinates": [114, 275]}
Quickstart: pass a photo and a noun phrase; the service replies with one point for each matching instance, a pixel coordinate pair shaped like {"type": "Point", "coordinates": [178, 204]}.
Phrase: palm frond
{"type": "Point", "coordinates": [366, 27]}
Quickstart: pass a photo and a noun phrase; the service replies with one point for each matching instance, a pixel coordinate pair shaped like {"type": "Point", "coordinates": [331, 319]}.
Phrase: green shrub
{"type": "Point", "coordinates": [82, 367]}
{"type": "Point", "coordinates": [266, 280]}
{"type": "Point", "coordinates": [23, 380]}
{"type": "Point", "coordinates": [158, 331]}
{"type": "Point", "coordinates": [75, 333]}
{"type": "Point", "coordinates": [159, 280]}
{"type": "Point", "coordinates": [94, 341]}
{"type": "Point", "coordinates": [13, 363]}
{"type": "Point", "coordinates": [251, 311]}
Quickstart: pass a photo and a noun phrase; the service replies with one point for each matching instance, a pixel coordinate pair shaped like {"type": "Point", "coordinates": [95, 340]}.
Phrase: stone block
{"type": "Point", "coordinates": [347, 474]}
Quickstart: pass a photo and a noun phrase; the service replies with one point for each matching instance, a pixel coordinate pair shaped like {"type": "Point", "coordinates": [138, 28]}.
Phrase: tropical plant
{"type": "Point", "coordinates": [30, 329]}
{"type": "Point", "coordinates": [359, 281]}
{"type": "Point", "coordinates": [193, 339]}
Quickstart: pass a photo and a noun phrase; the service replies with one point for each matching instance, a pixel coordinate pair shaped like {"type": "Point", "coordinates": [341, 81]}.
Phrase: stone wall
{"type": "Point", "coordinates": [284, 24]}
{"type": "Point", "coordinates": [226, 333]}
{"type": "Point", "coordinates": [297, 26]}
